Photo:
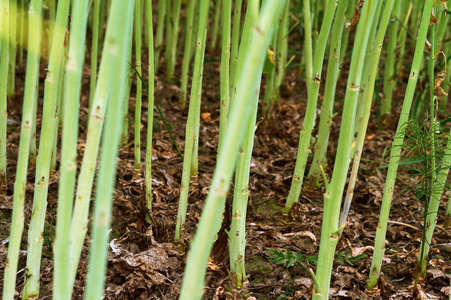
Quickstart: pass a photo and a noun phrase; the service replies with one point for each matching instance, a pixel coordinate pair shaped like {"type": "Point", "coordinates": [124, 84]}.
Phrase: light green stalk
{"type": "Point", "coordinates": [379, 246]}
{"type": "Point", "coordinates": [68, 169]}
{"type": "Point", "coordinates": [187, 53]}
{"type": "Point", "coordinates": [117, 45]}
{"type": "Point", "coordinates": [236, 23]}
{"type": "Point", "coordinates": [345, 39]}
{"type": "Point", "coordinates": [366, 104]}
{"type": "Point", "coordinates": [215, 30]}
{"type": "Point", "coordinates": [33, 130]}
{"type": "Point", "coordinates": [151, 98]}
{"type": "Point", "coordinates": [160, 31]}
{"type": "Point", "coordinates": [4, 87]}
{"type": "Point", "coordinates": [210, 222]}
{"type": "Point", "coordinates": [237, 232]}
{"type": "Point", "coordinates": [225, 69]}
{"type": "Point", "coordinates": [282, 47]}
{"type": "Point", "coordinates": [168, 41]}
{"type": "Point", "coordinates": [51, 4]}
{"type": "Point", "coordinates": [310, 114]}
{"type": "Point", "coordinates": [192, 135]}
{"type": "Point", "coordinates": [23, 16]}
{"type": "Point", "coordinates": [402, 42]}
{"type": "Point", "coordinates": [365, 75]}
{"type": "Point", "coordinates": [333, 64]}
{"type": "Point", "coordinates": [85, 180]}
{"type": "Point", "coordinates": [139, 87]}
{"type": "Point", "coordinates": [389, 73]}
{"type": "Point", "coordinates": [17, 222]}
{"type": "Point", "coordinates": [94, 48]}
{"type": "Point", "coordinates": [49, 121]}
{"type": "Point", "coordinates": [432, 204]}
{"type": "Point", "coordinates": [330, 231]}
{"type": "Point", "coordinates": [308, 46]}
{"type": "Point", "coordinates": [175, 20]}
{"type": "Point", "coordinates": [270, 94]}
{"type": "Point", "coordinates": [12, 47]}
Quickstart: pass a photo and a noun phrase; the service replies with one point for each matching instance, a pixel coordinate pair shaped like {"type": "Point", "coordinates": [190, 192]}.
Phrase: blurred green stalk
{"type": "Point", "coordinates": [116, 46]}
{"type": "Point", "coordinates": [29, 102]}
{"type": "Point", "coordinates": [210, 222]}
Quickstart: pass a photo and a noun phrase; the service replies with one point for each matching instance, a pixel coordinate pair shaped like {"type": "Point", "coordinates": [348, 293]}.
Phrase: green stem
{"type": "Point", "coordinates": [151, 98]}
{"type": "Point", "coordinates": [139, 88]}
{"type": "Point", "coordinates": [210, 222]}
{"type": "Point", "coordinates": [192, 136]}
{"type": "Point", "coordinates": [4, 87]}
{"type": "Point", "coordinates": [117, 46]}
{"type": "Point", "coordinates": [187, 53]}
{"type": "Point", "coordinates": [18, 217]}
{"type": "Point", "coordinates": [379, 246]}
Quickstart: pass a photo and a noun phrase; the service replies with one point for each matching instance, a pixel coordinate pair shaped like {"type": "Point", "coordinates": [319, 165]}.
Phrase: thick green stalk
{"type": "Point", "coordinates": [333, 64]}
{"type": "Point", "coordinates": [389, 73]}
{"type": "Point", "coordinates": [225, 69]}
{"type": "Point", "coordinates": [330, 231]}
{"type": "Point", "coordinates": [192, 138]}
{"type": "Point", "coordinates": [210, 222]}
{"type": "Point", "coordinates": [187, 53]}
{"type": "Point", "coordinates": [310, 115]}
{"type": "Point", "coordinates": [49, 121]}
{"type": "Point", "coordinates": [151, 98]}
{"type": "Point", "coordinates": [175, 20]}
{"type": "Point", "coordinates": [17, 222]}
{"type": "Point", "coordinates": [139, 87]}
{"type": "Point", "coordinates": [379, 246]}
{"type": "Point", "coordinates": [68, 168]}
{"type": "Point", "coordinates": [366, 104]}
{"type": "Point", "coordinates": [85, 180]}
{"type": "Point", "coordinates": [4, 87]}
{"type": "Point", "coordinates": [117, 45]}
{"type": "Point", "coordinates": [237, 234]}
{"type": "Point", "coordinates": [160, 32]}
